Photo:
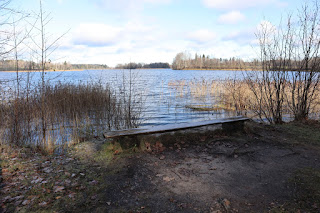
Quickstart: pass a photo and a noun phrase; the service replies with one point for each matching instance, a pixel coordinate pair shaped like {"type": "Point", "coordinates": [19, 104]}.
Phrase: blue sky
{"type": "Point", "coordinates": [119, 31]}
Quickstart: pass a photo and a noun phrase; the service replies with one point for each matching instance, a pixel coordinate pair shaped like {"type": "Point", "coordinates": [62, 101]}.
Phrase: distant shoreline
{"type": "Point", "coordinates": [75, 70]}
{"type": "Point", "coordinates": [224, 69]}
{"type": "Point", "coordinates": [79, 70]}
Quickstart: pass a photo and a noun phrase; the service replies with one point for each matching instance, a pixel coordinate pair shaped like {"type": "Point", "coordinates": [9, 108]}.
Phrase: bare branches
{"type": "Point", "coordinates": [289, 55]}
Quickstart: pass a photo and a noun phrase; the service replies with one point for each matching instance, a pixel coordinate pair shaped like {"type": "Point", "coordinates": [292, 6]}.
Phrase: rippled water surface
{"type": "Point", "coordinates": [164, 102]}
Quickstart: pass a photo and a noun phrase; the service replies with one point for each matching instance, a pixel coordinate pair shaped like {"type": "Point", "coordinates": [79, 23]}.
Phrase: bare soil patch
{"type": "Point", "coordinates": [256, 171]}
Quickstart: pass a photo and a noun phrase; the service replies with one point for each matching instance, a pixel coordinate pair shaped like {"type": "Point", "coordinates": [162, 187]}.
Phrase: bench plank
{"type": "Point", "coordinates": [171, 127]}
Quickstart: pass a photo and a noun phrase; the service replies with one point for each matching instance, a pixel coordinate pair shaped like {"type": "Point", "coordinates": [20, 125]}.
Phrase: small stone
{"type": "Point", "coordinates": [162, 157]}
{"type": "Point", "coordinates": [108, 203]}
{"type": "Point", "coordinates": [26, 202]}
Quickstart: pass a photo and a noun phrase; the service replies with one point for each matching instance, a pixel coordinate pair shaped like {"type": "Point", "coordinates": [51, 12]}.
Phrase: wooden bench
{"type": "Point", "coordinates": [228, 124]}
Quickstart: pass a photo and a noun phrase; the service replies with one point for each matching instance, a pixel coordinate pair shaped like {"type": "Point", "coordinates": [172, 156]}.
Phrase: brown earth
{"type": "Point", "coordinates": [253, 171]}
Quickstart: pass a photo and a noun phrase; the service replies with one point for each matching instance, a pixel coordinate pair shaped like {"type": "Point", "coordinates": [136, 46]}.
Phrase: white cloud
{"type": "Point", "coordinates": [96, 34]}
{"type": "Point", "coordinates": [242, 37]}
{"type": "Point", "coordinates": [129, 5]}
{"type": "Point", "coordinates": [232, 17]}
{"type": "Point", "coordinates": [240, 4]}
{"type": "Point", "coordinates": [266, 26]}
{"type": "Point", "coordinates": [110, 44]}
{"type": "Point", "coordinates": [201, 36]}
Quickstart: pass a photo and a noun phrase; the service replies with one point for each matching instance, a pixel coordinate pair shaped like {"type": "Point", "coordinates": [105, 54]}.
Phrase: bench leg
{"type": "Point", "coordinates": [233, 127]}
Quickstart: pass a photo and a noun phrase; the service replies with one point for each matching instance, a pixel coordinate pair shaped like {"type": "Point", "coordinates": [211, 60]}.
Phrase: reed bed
{"type": "Point", "coordinates": [63, 113]}
{"type": "Point", "coordinates": [239, 96]}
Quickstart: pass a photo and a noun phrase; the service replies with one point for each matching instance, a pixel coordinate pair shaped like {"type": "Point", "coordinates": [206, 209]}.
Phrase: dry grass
{"type": "Point", "coordinates": [64, 112]}
{"type": "Point", "coordinates": [237, 95]}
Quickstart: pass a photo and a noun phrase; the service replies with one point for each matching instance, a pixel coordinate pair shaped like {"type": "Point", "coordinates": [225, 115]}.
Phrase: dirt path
{"type": "Point", "coordinates": [222, 175]}
{"type": "Point", "coordinates": [239, 173]}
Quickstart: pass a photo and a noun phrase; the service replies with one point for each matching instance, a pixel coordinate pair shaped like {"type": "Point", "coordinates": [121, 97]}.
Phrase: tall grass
{"type": "Point", "coordinates": [64, 112]}
{"type": "Point", "coordinates": [242, 96]}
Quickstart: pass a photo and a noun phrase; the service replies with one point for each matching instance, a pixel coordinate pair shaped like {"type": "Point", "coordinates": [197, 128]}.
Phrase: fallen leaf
{"type": "Point", "coordinates": [26, 202]}
{"type": "Point", "coordinates": [226, 203]}
{"type": "Point", "coordinates": [18, 197]}
{"type": "Point", "coordinates": [43, 204]}
{"type": "Point", "coordinates": [72, 195]}
{"type": "Point", "coordinates": [162, 157]}
{"type": "Point", "coordinates": [58, 189]}
{"type": "Point", "coordinates": [94, 182]}
{"type": "Point", "coordinates": [168, 179]}
{"type": "Point", "coordinates": [47, 170]}
{"type": "Point", "coordinates": [203, 138]}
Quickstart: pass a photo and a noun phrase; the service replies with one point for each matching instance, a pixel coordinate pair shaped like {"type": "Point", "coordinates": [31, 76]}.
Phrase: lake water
{"type": "Point", "coordinates": [163, 105]}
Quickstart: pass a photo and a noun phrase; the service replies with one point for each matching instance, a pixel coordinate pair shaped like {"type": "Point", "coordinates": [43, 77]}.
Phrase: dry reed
{"type": "Point", "coordinates": [69, 112]}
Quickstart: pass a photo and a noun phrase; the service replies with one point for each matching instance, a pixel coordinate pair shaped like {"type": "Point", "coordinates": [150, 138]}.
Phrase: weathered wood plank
{"type": "Point", "coordinates": [172, 127]}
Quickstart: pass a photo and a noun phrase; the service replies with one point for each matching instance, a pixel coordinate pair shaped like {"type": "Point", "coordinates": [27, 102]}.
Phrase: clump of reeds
{"type": "Point", "coordinates": [242, 97]}
{"type": "Point", "coordinates": [51, 114]}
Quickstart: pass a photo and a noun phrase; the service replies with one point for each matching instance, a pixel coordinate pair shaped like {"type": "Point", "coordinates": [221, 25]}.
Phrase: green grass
{"type": "Point", "coordinates": [304, 133]}
{"type": "Point", "coordinates": [307, 189]}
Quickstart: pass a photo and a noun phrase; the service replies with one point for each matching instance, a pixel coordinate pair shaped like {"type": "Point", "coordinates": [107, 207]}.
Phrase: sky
{"type": "Point", "coordinates": [122, 31]}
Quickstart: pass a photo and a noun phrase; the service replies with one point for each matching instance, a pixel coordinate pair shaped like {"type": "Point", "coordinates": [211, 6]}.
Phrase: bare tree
{"type": "Point", "coordinates": [289, 56]}
{"type": "Point", "coordinates": [305, 81]}
{"type": "Point", "coordinates": [269, 85]}
{"type": "Point", "coordinates": [43, 47]}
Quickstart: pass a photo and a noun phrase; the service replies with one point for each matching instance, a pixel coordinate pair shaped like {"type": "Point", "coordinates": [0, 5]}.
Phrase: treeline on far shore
{"type": "Point", "coordinates": [158, 65]}
{"type": "Point", "coordinates": [185, 61]}
{"type": "Point", "coordinates": [11, 65]}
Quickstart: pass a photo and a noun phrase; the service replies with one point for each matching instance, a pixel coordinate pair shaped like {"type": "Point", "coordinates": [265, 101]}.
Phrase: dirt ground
{"type": "Point", "coordinates": [217, 172]}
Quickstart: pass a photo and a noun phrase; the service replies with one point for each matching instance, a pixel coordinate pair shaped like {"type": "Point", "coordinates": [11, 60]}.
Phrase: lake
{"type": "Point", "coordinates": [161, 90]}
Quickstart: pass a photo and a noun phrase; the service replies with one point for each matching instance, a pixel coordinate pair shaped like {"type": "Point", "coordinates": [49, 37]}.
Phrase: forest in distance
{"type": "Point", "coordinates": [181, 61]}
